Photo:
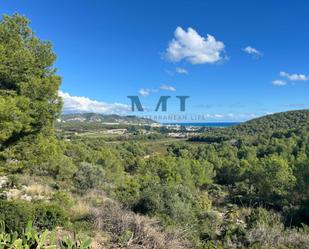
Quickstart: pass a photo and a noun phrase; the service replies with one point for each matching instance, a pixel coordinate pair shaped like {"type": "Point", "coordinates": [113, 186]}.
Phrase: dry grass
{"type": "Point", "coordinates": [38, 190]}
{"type": "Point", "coordinates": [129, 230]}
{"type": "Point", "coordinates": [277, 237]}
{"type": "Point", "coordinates": [80, 209]}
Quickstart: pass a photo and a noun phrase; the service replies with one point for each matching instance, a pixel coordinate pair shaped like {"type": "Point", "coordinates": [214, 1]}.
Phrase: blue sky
{"type": "Point", "coordinates": [235, 59]}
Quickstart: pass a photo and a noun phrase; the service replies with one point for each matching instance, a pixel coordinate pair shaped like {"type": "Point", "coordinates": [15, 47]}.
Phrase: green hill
{"type": "Point", "coordinates": [274, 122]}
{"type": "Point", "coordinates": [263, 126]}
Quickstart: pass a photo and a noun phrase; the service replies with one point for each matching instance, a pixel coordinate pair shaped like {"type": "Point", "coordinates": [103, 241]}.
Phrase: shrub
{"type": "Point", "coordinates": [130, 230]}
{"type": "Point", "coordinates": [87, 176]}
{"type": "Point", "coordinates": [15, 214]}
{"type": "Point", "coordinates": [48, 216]}
{"type": "Point", "coordinates": [66, 168]}
{"type": "Point", "coordinates": [210, 225]}
{"type": "Point", "coordinates": [13, 181]}
{"type": "Point", "coordinates": [150, 202]}
{"type": "Point", "coordinates": [128, 192]}
{"type": "Point", "coordinates": [173, 204]}
{"type": "Point", "coordinates": [62, 198]}
{"type": "Point", "coordinates": [260, 216]}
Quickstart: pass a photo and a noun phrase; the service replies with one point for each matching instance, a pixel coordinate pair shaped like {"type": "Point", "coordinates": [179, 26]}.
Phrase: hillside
{"type": "Point", "coordinates": [275, 122]}
{"type": "Point", "coordinates": [105, 118]}
{"type": "Point", "coordinates": [264, 126]}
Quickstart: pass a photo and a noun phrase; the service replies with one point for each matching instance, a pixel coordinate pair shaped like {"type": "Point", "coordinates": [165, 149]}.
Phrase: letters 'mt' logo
{"type": "Point", "coordinates": [135, 102]}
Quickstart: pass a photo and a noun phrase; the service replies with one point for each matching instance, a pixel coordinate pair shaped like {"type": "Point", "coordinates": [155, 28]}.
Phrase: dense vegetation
{"type": "Point", "coordinates": [240, 187]}
{"type": "Point", "coordinates": [266, 125]}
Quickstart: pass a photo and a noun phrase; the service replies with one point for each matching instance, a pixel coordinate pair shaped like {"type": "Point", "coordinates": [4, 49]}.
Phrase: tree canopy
{"type": "Point", "coordinates": [29, 101]}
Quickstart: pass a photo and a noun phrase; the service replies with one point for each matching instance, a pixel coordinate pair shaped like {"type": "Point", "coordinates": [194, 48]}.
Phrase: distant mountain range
{"type": "Point", "coordinates": [105, 118]}
{"type": "Point", "coordinates": [277, 121]}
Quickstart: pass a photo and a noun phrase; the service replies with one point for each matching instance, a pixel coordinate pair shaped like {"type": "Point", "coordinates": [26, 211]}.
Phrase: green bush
{"type": "Point", "coordinates": [62, 199]}
{"type": "Point", "coordinates": [13, 181]}
{"type": "Point", "coordinates": [48, 216]}
{"type": "Point", "coordinates": [210, 225]}
{"type": "Point", "coordinates": [87, 176]}
{"type": "Point", "coordinates": [173, 204]}
{"type": "Point", "coordinates": [261, 216]}
{"type": "Point", "coordinates": [15, 215]}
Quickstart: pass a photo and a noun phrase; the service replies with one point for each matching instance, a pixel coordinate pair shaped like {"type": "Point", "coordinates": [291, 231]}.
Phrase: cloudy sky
{"type": "Point", "coordinates": [235, 59]}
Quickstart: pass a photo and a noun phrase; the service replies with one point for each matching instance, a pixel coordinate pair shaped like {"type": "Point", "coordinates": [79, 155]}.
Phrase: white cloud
{"type": "Point", "coordinates": [83, 104]}
{"type": "Point", "coordinates": [181, 70]}
{"type": "Point", "coordinates": [252, 51]}
{"type": "Point", "coordinates": [144, 92]}
{"type": "Point", "coordinates": [168, 88]}
{"type": "Point", "coordinates": [190, 46]}
{"type": "Point", "coordinates": [279, 82]}
{"type": "Point", "coordinates": [290, 77]}
{"type": "Point", "coordinates": [294, 77]}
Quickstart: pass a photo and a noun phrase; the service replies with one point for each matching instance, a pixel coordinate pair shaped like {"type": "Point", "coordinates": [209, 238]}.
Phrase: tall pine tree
{"type": "Point", "coordinates": [29, 101]}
